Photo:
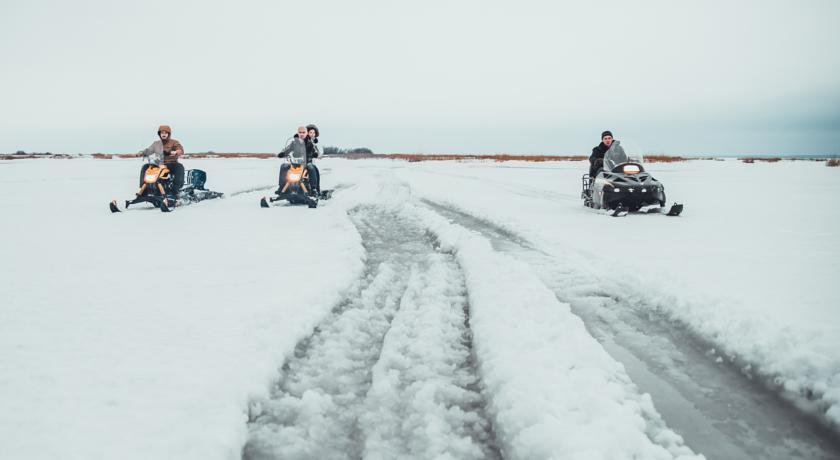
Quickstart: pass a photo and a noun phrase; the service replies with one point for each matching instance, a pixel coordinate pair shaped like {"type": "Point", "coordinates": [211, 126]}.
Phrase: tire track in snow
{"type": "Point", "coordinates": [256, 188]}
{"type": "Point", "coordinates": [262, 188]}
{"type": "Point", "coordinates": [718, 410]}
{"type": "Point", "coordinates": [389, 373]}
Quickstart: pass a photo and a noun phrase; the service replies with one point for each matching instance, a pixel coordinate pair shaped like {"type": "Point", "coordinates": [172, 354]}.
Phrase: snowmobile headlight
{"type": "Point", "coordinates": [644, 190]}
{"type": "Point", "coordinates": [293, 177]}
{"type": "Point", "coordinates": [631, 169]}
{"type": "Point", "coordinates": [616, 189]}
{"type": "Point", "coordinates": [151, 178]}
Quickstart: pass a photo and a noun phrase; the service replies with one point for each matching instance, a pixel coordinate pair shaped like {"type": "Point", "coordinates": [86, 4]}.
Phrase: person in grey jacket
{"type": "Point", "coordinates": [301, 146]}
{"type": "Point", "coordinates": [167, 150]}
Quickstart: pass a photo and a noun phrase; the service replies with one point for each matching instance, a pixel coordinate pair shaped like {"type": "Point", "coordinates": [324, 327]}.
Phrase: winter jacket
{"type": "Point", "coordinates": [598, 153]}
{"type": "Point", "coordinates": [296, 145]}
{"type": "Point", "coordinates": [168, 151]}
{"type": "Point", "coordinates": [312, 150]}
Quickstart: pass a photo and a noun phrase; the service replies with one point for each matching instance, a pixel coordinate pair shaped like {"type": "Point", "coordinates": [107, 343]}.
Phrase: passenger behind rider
{"type": "Point", "coordinates": [596, 160]}
{"type": "Point", "coordinates": [168, 150]}
{"type": "Point", "coordinates": [314, 174]}
{"type": "Point", "coordinates": [300, 145]}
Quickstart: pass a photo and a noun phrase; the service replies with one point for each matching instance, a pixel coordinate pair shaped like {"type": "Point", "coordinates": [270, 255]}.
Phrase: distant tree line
{"type": "Point", "coordinates": [21, 152]}
{"type": "Point", "coordinates": [342, 151]}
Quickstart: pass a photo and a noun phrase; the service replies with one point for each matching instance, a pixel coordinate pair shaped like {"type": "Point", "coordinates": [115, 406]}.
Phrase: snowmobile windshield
{"type": "Point", "coordinates": [617, 155]}
{"type": "Point", "coordinates": [297, 154]}
{"type": "Point", "coordinates": [154, 158]}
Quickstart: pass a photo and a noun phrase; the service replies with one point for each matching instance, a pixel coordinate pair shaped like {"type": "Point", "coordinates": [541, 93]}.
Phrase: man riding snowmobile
{"type": "Point", "coordinates": [309, 136]}
{"type": "Point", "coordinates": [621, 185]}
{"type": "Point", "coordinates": [596, 160]}
{"type": "Point", "coordinates": [162, 177]}
{"type": "Point", "coordinates": [301, 145]}
{"type": "Point", "coordinates": [294, 180]}
{"type": "Point", "coordinates": [169, 150]}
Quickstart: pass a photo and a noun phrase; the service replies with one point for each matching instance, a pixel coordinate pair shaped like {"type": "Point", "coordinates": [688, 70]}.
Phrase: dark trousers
{"type": "Point", "coordinates": [177, 170]}
{"type": "Point", "coordinates": [595, 167]}
{"type": "Point", "coordinates": [314, 176]}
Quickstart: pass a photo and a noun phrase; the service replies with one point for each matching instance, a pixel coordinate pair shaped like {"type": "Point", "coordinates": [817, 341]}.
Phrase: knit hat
{"type": "Point", "coordinates": [605, 134]}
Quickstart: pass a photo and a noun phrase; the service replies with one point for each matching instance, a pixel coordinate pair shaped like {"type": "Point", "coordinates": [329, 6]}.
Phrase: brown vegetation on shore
{"type": "Point", "coordinates": [33, 156]}
{"type": "Point", "coordinates": [665, 159]}
{"type": "Point", "coordinates": [417, 157]}
{"type": "Point", "coordinates": [108, 156]}
{"type": "Point", "coordinates": [414, 157]}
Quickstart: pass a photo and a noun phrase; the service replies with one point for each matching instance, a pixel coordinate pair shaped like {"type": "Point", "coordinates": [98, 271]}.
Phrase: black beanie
{"type": "Point", "coordinates": [606, 133]}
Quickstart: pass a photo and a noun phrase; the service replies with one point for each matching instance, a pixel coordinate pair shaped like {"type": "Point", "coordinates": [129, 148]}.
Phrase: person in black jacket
{"type": "Point", "coordinates": [313, 151]}
{"type": "Point", "coordinates": [596, 160]}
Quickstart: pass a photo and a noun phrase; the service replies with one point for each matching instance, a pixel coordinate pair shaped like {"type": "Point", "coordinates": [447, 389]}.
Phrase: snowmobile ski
{"type": "Point", "coordinates": [310, 201]}
{"type": "Point", "coordinates": [156, 189]}
{"type": "Point", "coordinates": [675, 210]}
{"type": "Point", "coordinates": [620, 211]}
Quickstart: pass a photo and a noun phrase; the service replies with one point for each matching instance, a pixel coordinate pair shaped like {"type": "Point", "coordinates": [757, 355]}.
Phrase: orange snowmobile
{"type": "Point", "coordinates": [157, 189]}
{"type": "Point", "coordinates": [296, 188]}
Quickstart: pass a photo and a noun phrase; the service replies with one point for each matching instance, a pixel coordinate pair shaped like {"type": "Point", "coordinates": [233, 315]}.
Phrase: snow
{"type": "Point", "coordinates": [151, 335]}
{"type": "Point", "coordinates": [143, 334]}
{"type": "Point", "coordinates": [525, 338]}
{"type": "Point", "coordinates": [748, 266]}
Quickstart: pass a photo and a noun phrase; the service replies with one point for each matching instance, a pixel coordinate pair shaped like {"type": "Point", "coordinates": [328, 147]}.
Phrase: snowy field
{"type": "Point", "coordinates": [429, 310]}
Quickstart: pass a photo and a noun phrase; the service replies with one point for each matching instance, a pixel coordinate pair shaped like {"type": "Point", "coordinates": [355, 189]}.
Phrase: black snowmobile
{"type": "Point", "coordinates": [157, 188]}
{"type": "Point", "coordinates": [297, 189]}
{"type": "Point", "coordinates": [624, 186]}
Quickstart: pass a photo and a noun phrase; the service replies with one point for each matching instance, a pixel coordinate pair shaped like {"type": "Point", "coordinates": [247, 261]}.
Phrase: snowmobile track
{"type": "Point", "coordinates": [373, 379]}
{"type": "Point", "coordinates": [719, 407]}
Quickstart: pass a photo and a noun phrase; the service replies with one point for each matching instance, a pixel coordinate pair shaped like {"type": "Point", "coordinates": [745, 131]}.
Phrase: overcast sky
{"type": "Point", "coordinates": [679, 77]}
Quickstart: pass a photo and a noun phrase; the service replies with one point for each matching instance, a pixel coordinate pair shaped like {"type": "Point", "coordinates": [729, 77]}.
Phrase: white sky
{"type": "Point", "coordinates": [674, 76]}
